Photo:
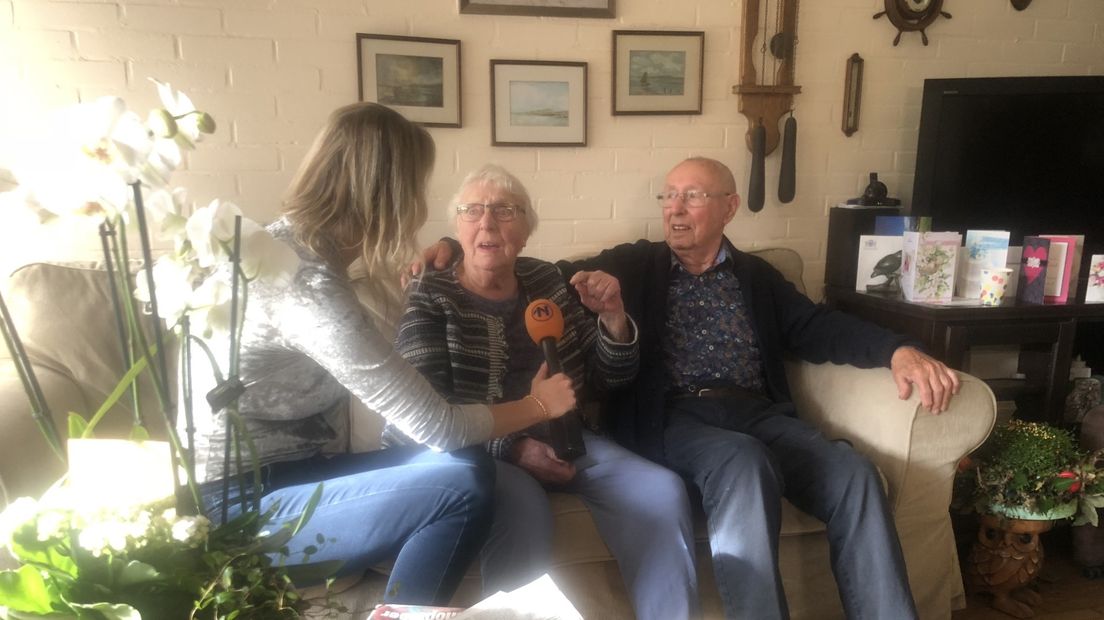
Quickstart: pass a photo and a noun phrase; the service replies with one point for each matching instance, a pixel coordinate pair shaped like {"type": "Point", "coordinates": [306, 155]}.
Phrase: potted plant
{"type": "Point", "coordinates": [1023, 479]}
{"type": "Point", "coordinates": [1034, 471]}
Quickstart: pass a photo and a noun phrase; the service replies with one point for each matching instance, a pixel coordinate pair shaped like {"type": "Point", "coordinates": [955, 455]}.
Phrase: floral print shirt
{"type": "Point", "coordinates": [709, 340]}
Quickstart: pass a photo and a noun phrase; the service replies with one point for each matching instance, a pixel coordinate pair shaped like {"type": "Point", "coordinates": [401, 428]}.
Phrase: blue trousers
{"type": "Point", "coordinates": [429, 511]}
{"type": "Point", "coordinates": [745, 455]}
{"type": "Point", "coordinates": [640, 509]}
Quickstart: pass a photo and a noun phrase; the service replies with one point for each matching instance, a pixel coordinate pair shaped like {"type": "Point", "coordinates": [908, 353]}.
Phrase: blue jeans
{"type": "Point", "coordinates": [641, 511]}
{"type": "Point", "coordinates": [429, 511]}
{"type": "Point", "coordinates": [745, 455]}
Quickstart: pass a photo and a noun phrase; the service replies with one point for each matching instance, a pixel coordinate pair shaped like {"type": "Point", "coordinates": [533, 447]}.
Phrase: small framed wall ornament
{"type": "Point", "coordinates": [657, 72]}
{"type": "Point", "coordinates": [417, 77]}
{"type": "Point", "coordinates": [538, 103]}
{"type": "Point", "coordinates": [547, 8]}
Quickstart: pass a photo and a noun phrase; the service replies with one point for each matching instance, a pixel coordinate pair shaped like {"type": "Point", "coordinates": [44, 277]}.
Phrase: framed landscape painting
{"type": "Point", "coordinates": [418, 77]}
{"type": "Point", "coordinates": [657, 72]}
{"type": "Point", "coordinates": [548, 8]}
{"type": "Point", "coordinates": [538, 103]}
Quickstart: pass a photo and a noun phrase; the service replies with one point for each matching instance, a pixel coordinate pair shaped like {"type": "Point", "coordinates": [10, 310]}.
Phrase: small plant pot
{"type": "Point", "coordinates": [1063, 511]}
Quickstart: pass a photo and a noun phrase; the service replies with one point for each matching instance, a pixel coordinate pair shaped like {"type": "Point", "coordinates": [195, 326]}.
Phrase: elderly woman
{"type": "Point", "coordinates": [464, 329]}
{"type": "Point", "coordinates": [308, 344]}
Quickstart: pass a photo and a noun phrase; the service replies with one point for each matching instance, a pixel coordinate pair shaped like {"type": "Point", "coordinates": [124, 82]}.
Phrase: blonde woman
{"type": "Point", "coordinates": [308, 345]}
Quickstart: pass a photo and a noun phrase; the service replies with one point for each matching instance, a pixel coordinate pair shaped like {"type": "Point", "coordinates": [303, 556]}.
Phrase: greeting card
{"type": "Point", "coordinates": [1033, 270]}
{"type": "Point", "coordinates": [928, 265]}
{"type": "Point", "coordinates": [1060, 268]}
{"type": "Point", "coordinates": [1094, 292]}
{"type": "Point", "coordinates": [985, 249]}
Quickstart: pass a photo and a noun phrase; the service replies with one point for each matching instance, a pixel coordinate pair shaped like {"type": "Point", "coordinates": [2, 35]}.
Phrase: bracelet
{"type": "Point", "coordinates": [544, 410]}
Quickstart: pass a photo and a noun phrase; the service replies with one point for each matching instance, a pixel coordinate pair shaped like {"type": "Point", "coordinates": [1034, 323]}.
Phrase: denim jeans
{"type": "Point", "coordinates": [640, 509]}
{"type": "Point", "coordinates": [745, 454]}
{"type": "Point", "coordinates": [429, 511]}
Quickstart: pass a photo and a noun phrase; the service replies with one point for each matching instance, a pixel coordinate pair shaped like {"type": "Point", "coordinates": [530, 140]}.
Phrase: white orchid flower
{"type": "Point", "coordinates": [175, 283]}
{"type": "Point", "coordinates": [85, 164]}
{"type": "Point", "coordinates": [210, 314]}
{"type": "Point", "coordinates": [266, 258]}
{"type": "Point", "coordinates": [165, 208]}
{"type": "Point", "coordinates": [190, 123]}
{"type": "Point", "coordinates": [210, 230]}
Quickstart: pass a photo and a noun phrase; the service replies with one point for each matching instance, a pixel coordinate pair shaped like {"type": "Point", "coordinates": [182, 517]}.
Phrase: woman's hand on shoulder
{"type": "Point", "coordinates": [555, 394]}
{"type": "Point", "coordinates": [601, 294]}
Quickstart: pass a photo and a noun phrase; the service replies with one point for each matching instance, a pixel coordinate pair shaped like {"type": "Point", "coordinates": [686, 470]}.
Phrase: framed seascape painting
{"type": "Point", "coordinates": [657, 72]}
{"type": "Point", "coordinates": [418, 77]}
{"type": "Point", "coordinates": [538, 103]}
{"type": "Point", "coordinates": [550, 8]}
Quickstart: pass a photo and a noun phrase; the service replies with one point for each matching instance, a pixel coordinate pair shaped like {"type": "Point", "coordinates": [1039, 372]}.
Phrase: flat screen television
{"type": "Point", "coordinates": [1023, 154]}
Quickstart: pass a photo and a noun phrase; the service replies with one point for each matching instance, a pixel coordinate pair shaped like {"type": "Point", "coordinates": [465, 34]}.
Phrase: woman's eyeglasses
{"type": "Point", "coordinates": [501, 211]}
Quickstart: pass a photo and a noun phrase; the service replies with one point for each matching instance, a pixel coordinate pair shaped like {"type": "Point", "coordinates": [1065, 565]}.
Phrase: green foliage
{"type": "Point", "coordinates": [148, 562]}
{"type": "Point", "coordinates": [1033, 467]}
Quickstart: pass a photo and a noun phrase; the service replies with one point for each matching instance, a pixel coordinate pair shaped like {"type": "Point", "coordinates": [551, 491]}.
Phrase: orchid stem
{"type": "Point", "coordinates": [40, 411]}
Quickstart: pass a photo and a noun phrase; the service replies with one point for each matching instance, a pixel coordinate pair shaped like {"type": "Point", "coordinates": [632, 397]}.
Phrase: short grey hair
{"type": "Point", "coordinates": [498, 177]}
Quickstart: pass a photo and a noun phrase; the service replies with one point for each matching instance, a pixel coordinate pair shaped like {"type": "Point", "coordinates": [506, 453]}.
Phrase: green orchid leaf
{"type": "Point", "coordinates": [77, 425]}
{"type": "Point", "coordinates": [135, 572]}
{"type": "Point", "coordinates": [25, 590]}
{"type": "Point", "coordinates": [120, 388]}
{"type": "Point", "coordinates": [139, 433]}
{"type": "Point", "coordinates": [107, 611]}
{"type": "Point", "coordinates": [309, 510]}
{"type": "Point", "coordinates": [1097, 501]}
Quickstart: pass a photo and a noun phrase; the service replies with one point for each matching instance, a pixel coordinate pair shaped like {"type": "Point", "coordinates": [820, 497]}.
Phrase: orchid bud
{"type": "Point", "coordinates": [161, 123]}
{"type": "Point", "coordinates": [205, 122]}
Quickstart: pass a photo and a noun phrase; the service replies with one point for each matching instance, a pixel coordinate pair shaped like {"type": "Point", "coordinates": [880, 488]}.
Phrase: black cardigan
{"type": "Point", "coordinates": [786, 322]}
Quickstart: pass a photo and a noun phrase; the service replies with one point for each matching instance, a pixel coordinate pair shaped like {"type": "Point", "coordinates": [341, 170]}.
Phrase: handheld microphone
{"type": "Point", "coordinates": [545, 324]}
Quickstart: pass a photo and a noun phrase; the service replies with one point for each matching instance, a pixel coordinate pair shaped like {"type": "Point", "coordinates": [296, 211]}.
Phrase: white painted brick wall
{"type": "Point", "coordinates": [271, 70]}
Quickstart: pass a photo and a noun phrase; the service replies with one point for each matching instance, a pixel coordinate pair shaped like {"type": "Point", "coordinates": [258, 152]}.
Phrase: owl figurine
{"type": "Point", "coordinates": [1004, 561]}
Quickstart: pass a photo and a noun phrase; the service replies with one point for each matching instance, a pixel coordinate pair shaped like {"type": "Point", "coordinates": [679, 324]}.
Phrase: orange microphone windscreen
{"type": "Point", "coordinates": [543, 319]}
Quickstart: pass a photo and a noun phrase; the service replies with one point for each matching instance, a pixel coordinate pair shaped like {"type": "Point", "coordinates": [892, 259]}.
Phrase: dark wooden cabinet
{"type": "Point", "coordinates": [1045, 335]}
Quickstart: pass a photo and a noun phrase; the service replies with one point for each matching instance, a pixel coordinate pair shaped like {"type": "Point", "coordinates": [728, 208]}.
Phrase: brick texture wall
{"type": "Point", "coordinates": [270, 71]}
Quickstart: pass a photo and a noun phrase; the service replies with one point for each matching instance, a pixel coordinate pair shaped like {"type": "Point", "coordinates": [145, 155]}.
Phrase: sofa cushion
{"type": "Point", "coordinates": [65, 317]}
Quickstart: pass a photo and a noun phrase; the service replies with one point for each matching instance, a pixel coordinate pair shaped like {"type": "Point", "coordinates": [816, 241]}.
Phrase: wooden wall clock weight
{"type": "Point", "coordinates": [766, 92]}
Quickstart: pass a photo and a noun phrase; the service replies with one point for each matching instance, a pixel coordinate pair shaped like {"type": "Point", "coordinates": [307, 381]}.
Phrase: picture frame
{"type": "Point", "coordinates": [416, 76]}
{"type": "Point", "coordinates": [545, 8]}
{"type": "Point", "coordinates": [538, 103]}
{"type": "Point", "coordinates": [657, 72]}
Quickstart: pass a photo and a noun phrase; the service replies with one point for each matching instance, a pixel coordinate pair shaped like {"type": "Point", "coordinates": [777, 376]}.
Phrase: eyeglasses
{"type": "Point", "coordinates": [502, 211]}
{"type": "Point", "coordinates": [693, 197]}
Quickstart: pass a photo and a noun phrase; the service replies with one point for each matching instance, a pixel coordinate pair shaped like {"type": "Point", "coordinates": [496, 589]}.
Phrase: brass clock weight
{"type": "Point", "coordinates": [766, 92]}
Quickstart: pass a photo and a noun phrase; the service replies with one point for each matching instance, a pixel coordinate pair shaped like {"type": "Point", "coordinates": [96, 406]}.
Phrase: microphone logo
{"type": "Point", "coordinates": [542, 311]}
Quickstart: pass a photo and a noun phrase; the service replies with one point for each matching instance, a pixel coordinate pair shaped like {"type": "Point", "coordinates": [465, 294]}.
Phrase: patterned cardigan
{"type": "Point", "coordinates": [462, 351]}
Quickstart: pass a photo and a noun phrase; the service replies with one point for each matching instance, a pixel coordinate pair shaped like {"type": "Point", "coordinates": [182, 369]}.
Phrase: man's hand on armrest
{"type": "Point", "coordinates": [936, 382]}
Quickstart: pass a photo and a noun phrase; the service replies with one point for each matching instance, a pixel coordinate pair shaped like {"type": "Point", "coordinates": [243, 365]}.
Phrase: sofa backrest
{"type": "Point", "coordinates": [65, 317]}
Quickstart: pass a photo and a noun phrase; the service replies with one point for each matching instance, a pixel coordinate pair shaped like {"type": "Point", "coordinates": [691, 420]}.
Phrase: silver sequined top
{"type": "Point", "coordinates": [305, 347]}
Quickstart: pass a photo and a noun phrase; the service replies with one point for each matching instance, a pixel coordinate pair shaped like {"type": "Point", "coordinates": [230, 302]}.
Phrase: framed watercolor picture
{"type": "Point", "coordinates": [549, 8]}
{"type": "Point", "coordinates": [538, 103]}
{"type": "Point", "coordinates": [657, 72]}
{"type": "Point", "coordinates": [418, 77]}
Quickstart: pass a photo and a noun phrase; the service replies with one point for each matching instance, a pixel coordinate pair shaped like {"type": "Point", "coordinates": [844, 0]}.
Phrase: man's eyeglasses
{"type": "Point", "coordinates": [501, 211]}
{"type": "Point", "coordinates": [693, 197]}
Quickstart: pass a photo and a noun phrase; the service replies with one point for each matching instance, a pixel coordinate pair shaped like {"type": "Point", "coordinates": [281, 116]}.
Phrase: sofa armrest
{"type": "Point", "coordinates": [916, 450]}
{"type": "Point", "coordinates": [28, 465]}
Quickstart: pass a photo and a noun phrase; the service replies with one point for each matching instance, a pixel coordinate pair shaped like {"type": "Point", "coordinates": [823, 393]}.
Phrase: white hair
{"type": "Point", "coordinates": [498, 177]}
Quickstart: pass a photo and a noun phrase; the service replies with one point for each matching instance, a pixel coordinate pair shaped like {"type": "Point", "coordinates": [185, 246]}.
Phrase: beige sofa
{"type": "Point", "coordinates": [63, 314]}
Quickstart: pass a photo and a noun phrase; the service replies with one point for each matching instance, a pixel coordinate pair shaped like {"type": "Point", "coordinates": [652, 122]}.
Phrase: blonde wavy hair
{"type": "Point", "coordinates": [362, 185]}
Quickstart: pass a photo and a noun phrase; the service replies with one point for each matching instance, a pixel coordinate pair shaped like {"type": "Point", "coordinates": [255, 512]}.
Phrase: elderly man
{"type": "Point", "coordinates": [711, 401]}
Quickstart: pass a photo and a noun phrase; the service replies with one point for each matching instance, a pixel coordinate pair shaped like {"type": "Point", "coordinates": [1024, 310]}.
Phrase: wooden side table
{"type": "Point", "coordinates": [1045, 335]}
